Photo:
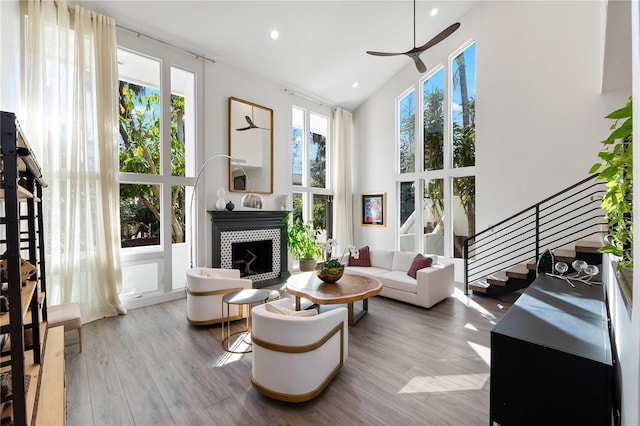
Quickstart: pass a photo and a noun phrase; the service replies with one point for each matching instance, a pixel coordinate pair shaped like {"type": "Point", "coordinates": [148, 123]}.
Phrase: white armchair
{"type": "Point", "coordinates": [295, 357]}
{"type": "Point", "coordinates": [205, 289]}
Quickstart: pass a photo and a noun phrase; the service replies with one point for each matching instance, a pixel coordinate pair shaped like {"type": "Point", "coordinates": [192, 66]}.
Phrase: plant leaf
{"type": "Point", "coordinates": [620, 113]}
{"type": "Point", "coordinates": [595, 168]}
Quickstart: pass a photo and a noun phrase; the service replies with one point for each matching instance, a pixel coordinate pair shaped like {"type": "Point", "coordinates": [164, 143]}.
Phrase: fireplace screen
{"type": "Point", "coordinates": [252, 257]}
{"type": "Point", "coordinates": [256, 253]}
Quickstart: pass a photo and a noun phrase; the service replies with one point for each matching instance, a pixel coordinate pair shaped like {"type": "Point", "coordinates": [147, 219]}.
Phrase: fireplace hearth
{"type": "Point", "coordinates": [253, 242]}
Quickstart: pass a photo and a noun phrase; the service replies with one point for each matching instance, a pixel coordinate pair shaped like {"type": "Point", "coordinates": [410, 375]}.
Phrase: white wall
{"type": "Point", "coordinates": [10, 36]}
{"type": "Point", "coordinates": [539, 108]}
{"type": "Point", "coordinates": [626, 328]}
{"type": "Point", "coordinates": [221, 82]}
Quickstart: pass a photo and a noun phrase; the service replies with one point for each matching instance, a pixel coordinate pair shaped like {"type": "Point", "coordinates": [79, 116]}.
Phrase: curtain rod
{"type": "Point", "coordinates": [309, 98]}
{"type": "Point", "coordinates": [166, 43]}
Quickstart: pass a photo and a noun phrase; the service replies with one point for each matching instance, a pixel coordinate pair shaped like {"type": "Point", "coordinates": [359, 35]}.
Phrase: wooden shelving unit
{"type": "Point", "coordinates": [24, 326]}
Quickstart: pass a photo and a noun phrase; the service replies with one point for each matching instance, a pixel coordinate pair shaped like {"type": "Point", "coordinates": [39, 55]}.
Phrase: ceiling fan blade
{"type": "Point", "coordinates": [419, 64]}
{"type": "Point", "coordinates": [250, 126]}
{"type": "Point", "coordinates": [437, 39]}
{"type": "Point", "coordinates": [384, 53]}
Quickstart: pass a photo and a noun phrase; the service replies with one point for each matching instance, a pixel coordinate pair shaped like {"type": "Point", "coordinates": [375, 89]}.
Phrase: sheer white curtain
{"type": "Point", "coordinates": [341, 166]}
{"type": "Point", "coordinates": [71, 119]}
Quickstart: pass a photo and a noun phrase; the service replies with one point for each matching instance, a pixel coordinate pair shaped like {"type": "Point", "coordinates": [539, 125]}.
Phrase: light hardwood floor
{"type": "Point", "coordinates": [406, 366]}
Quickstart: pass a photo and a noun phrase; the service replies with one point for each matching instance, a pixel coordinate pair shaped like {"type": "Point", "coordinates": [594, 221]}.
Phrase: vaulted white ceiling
{"type": "Point", "coordinates": [322, 44]}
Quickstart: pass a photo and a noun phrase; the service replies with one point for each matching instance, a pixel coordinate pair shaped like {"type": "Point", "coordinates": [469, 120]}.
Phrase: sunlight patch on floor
{"type": "Point", "coordinates": [471, 326]}
{"type": "Point", "coordinates": [239, 344]}
{"type": "Point", "coordinates": [458, 294]}
{"type": "Point", "coordinates": [482, 351]}
{"type": "Point", "coordinates": [458, 382]}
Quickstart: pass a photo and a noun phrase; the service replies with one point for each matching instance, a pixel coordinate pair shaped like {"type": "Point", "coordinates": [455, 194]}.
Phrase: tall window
{"type": "Point", "coordinates": [157, 164]}
{"type": "Point", "coordinates": [445, 174]}
{"type": "Point", "coordinates": [310, 150]}
{"type": "Point", "coordinates": [406, 132]}
{"type": "Point", "coordinates": [433, 120]}
{"type": "Point", "coordinates": [463, 125]}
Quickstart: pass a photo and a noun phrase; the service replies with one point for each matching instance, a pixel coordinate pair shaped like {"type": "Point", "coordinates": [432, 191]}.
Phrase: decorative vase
{"type": "Point", "coordinates": [252, 201]}
{"type": "Point", "coordinates": [307, 265]}
{"type": "Point", "coordinates": [230, 206]}
{"type": "Point", "coordinates": [546, 263]}
{"type": "Point", "coordinates": [330, 275]}
{"type": "Point", "coordinates": [220, 203]}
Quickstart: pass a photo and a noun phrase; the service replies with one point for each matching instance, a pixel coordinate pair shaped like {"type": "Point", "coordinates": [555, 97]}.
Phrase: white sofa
{"type": "Point", "coordinates": [431, 285]}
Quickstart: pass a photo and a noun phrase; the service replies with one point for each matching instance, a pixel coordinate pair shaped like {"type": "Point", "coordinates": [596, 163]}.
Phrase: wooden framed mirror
{"type": "Point", "coordinates": [251, 147]}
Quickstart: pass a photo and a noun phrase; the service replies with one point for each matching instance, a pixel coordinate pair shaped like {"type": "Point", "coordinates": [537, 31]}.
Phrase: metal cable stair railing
{"type": "Point", "coordinates": [559, 220]}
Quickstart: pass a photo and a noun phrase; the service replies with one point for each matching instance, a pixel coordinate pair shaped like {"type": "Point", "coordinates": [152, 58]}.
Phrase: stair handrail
{"type": "Point", "coordinates": [536, 208]}
{"type": "Point", "coordinates": [567, 189]}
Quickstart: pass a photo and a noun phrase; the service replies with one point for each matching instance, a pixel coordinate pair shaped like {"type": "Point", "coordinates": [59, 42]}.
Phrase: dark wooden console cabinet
{"type": "Point", "coordinates": [551, 358]}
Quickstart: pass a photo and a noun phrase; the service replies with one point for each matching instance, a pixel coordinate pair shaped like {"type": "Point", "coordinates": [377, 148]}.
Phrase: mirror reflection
{"type": "Point", "coordinates": [251, 147]}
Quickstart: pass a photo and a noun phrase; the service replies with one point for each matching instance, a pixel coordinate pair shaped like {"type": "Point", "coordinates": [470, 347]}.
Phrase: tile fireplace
{"type": "Point", "coordinates": [253, 241]}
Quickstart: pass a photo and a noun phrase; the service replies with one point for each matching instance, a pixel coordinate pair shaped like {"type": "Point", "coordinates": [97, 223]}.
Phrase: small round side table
{"type": "Point", "coordinates": [247, 297]}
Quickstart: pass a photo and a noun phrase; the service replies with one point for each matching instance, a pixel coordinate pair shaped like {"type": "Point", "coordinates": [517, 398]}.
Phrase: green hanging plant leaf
{"type": "Point", "coordinates": [595, 168]}
{"type": "Point", "coordinates": [616, 169]}
{"type": "Point", "coordinates": [621, 113]}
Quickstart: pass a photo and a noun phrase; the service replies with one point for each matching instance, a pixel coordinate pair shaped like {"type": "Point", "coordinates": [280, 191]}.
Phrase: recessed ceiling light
{"type": "Point", "coordinates": [355, 84]}
{"type": "Point", "coordinates": [274, 34]}
{"type": "Point", "coordinates": [434, 11]}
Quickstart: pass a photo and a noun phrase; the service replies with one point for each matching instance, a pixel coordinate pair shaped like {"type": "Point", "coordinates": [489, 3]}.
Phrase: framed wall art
{"type": "Point", "coordinates": [374, 208]}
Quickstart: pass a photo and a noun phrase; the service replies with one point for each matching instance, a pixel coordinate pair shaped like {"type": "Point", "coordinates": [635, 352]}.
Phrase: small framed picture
{"type": "Point", "coordinates": [374, 208]}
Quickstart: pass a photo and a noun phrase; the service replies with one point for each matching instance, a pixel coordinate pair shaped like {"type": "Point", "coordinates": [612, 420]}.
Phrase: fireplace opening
{"type": "Point", "coordinates": [252, 257]}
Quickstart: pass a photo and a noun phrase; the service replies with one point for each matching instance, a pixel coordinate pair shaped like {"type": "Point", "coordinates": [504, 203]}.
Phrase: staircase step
{"type": "Point", "coordinates": [564, 255]}
{"type": "Point", "coordinates": [518, 271]}
{"type": "Point", "coordinates": [480, 286]}
{"type": "Point", "coordinates": [587, 246]}
{"type": "Point", "coordinates": [499, 278]}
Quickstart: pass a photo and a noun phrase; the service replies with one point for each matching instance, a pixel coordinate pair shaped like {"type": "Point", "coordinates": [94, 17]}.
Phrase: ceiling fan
{"type": "Point", "coordinates": [251, 125]}
{"type": "Point", "coordinates": [416, 51]}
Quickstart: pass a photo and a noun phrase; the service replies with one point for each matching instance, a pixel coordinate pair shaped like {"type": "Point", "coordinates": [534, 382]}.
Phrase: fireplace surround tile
{"type": "Point", "coordinates": [251, 225]}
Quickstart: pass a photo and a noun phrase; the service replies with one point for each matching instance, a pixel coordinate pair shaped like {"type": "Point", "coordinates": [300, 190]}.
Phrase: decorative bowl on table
{"type": "Point", "coordinates": [329, 271]}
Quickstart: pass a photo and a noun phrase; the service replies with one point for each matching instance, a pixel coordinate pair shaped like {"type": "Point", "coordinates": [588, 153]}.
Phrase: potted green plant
{"type": "Point", "coordinates": [302, 239]}
{"type": "Point", "coordinates": [616, 169]}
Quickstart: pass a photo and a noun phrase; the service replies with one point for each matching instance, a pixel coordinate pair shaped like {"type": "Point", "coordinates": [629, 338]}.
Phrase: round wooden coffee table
{"type": "Point", "coordinates": [348, 289]}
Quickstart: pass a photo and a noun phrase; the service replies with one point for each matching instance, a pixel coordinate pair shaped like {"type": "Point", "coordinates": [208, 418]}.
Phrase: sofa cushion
{"type": "Point", "coordinates": [363, 258]}
{"type": "Point", "coordinates": [399, 280]}
{"type": "Point", "coordinates": [381, 258]}
{"type": "Point", "coordinates": [367, 271]}
{"type": "Point", "coordinates": [402, 260]}
{"type": "Point", "coordinates": [419, 262]}
{"type": "Point", "coordinates": [270, 307]}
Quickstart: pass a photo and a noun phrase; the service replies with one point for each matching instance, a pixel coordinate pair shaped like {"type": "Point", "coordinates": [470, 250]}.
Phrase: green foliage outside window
{"type": "Point", "coordinates": [140, 153]}
{"type": "Point", "coordinates": [406, 136]}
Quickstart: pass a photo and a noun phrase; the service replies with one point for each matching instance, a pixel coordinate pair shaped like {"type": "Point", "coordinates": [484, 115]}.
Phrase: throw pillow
{"type": "Point", "coordinates": [419, 262]}
{"type": "Point", "coordinates": [363, 258]}
{"type": "Point", "coordinates": [270, 307]}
